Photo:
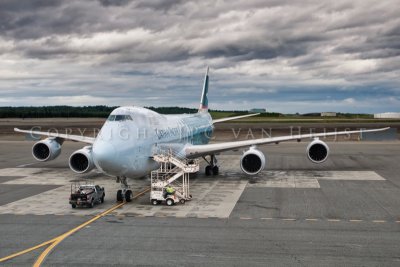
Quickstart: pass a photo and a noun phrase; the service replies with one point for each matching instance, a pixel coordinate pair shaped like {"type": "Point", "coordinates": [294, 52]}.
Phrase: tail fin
{"type": "Point", "coordinates": [204, 99]}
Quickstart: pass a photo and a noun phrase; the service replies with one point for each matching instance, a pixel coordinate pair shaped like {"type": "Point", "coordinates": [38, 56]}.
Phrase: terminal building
{"type": "Point", "coordinates": [387, 115]}
{"type": "Point", "coordinates": [328, 114]}
{"type": "Point", "coordinates": [258, 110]}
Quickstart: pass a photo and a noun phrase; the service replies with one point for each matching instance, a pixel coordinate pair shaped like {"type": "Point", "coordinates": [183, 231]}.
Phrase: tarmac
{"type": "Point", "coordinates": [345, 211]}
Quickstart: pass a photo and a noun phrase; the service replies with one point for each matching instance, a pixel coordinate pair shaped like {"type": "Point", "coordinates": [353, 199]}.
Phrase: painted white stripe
{"type": "Point", "coordinates": [310, 179]}
{"type": "Point", "coordinates": [26, 165]}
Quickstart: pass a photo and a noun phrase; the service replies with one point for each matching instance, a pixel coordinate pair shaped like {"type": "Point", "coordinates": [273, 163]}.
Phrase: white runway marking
{"type": "Point", "coordinates": [348, 175]}
{"type": "Point", "coordinates": [212, 196]}
{"type": "Point", "coordinates": [26, 165]}
{"type": "Point", "coordinates": [53, 201]}
{"type": "Point", "coordinates": [309, 179]}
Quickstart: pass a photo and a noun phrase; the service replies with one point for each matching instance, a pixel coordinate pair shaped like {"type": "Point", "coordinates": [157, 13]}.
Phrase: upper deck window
{"type": "Point", "coordinates": [119, 118]}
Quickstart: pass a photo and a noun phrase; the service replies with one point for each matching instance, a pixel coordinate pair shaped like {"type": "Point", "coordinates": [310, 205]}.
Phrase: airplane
{"type": "Point", "coordinates": [131, 135]}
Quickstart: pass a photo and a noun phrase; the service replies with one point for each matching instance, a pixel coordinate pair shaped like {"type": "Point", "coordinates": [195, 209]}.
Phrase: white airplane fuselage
{"type": "Point", "coordinates": [131, 135]}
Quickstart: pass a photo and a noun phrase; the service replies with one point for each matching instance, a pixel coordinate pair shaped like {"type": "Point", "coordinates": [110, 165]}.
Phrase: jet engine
{"type": "Point", "coordinates": [317, 151]}
{"type": "Point", "coordinates": [47, 149]}
{"type": "Point", "coordinates": [252, 161]}
{"type": "Point", "coordinates": [81, 161]}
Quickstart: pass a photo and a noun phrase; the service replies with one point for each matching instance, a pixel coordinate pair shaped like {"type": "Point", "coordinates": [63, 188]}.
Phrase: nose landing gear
{"type": "Point", "coordinates": [125, 192]}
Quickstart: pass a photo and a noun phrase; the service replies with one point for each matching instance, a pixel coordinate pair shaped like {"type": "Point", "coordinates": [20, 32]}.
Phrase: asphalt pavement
{"type": "Point", "coordinates": [349, 215]}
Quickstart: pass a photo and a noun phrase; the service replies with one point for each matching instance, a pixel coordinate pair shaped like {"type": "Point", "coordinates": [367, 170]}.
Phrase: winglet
{"type": "Point", "coordinates": [204, 99]}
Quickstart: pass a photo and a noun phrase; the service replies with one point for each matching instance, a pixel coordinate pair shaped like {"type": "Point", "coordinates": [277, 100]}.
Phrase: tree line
{"type": "Point", "coordinates": [76, 112]}
{"type": "Point", "coordinates": [55, 111]}
{"type": "Point", "coordinates": [99, 111]}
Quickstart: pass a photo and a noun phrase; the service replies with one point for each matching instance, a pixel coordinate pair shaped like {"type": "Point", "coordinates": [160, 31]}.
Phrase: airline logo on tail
{"type": "Point", "coordinates": [204, 99]}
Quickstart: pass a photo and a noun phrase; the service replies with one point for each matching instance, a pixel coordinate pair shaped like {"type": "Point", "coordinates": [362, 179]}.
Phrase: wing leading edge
{"type": "Point", "coordinates": [235, 118]}
{"type": "Point", "coordinates": [77, 138]}
{"type": "Point", "coordinates": [193, 151]}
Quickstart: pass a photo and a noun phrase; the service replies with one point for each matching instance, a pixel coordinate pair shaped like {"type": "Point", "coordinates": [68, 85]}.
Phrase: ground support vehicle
{"type": "Point", "coordinates": [86, 194]}
{"type": "Point", "coordinates": [173, 172]}
{"type": "Point", "coordinates": [158, 195]}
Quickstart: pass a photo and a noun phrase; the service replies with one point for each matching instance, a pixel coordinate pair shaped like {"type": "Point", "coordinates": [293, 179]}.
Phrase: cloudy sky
{"type": "Point", "coordinates": [286, 56]}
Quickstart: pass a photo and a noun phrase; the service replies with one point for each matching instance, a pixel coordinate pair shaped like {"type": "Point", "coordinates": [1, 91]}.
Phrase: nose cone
{"type": "Point", "coordinates": [105, 157]}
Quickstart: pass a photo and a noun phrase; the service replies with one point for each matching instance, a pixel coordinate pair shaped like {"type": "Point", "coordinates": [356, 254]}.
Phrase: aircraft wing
{"type": "Point", "coordinates": [235, 118]}
{"type": "Point", "coordinates": [193, 151]}
{"type": "Point", "coordinates": [77, 138]}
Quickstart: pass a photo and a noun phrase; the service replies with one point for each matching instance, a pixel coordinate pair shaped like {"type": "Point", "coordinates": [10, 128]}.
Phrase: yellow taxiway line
{"type": "Point", "coordinates": [57, 240]}
{"type": "Point", "coordinates": [27, 250]}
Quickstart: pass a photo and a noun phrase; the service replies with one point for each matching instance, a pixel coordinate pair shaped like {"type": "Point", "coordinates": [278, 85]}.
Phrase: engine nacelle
{"type": "Point", "coordinates": [317, 151]}
{"type": "Point", "coordinates": [81, 161]}
{"type": "Point", "coordinates": [252, 161]}
{"type": "Point", "coordinates": [47, 149]}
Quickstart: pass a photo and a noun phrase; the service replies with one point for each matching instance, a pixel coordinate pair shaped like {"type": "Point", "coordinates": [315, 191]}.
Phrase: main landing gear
{"type": "Point", "coordinates": [212, 167]}
{"type": "Point", "coordinates": [124, 192]}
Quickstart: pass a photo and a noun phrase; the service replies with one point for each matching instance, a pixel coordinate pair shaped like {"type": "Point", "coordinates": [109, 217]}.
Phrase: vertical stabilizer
{"type": "Point", "coordinates": [204, 99]}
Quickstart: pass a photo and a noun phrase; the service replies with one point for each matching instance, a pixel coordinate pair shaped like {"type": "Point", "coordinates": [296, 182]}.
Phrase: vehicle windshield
{"type": "Point", "coordinates": [119, 118]}
{"type": "Point", "coordinates": [85, 187]}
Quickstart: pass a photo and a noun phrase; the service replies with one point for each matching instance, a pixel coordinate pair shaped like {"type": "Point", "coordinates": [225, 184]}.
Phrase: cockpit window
{"type": "Point", "coordinates": [119, 118]}
{"type": "Point", "coordinates": [124, 117]}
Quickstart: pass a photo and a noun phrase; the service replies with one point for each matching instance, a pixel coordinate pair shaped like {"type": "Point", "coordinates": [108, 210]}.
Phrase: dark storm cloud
{"type": "Point", "coordinates": [27, 5]}
{"type": "Point", "coordinates": [17, 15]}
{"type": "Point", "coordinates": [259, 48]}
{"type": "Point", "coordinates": [255, 48]}
{"type": "Point", "coordinates": [114, 2]}
{"type": "Point", "coordinates": [163, 5]}
{"type": "Point", "coordinates": [264, 37]}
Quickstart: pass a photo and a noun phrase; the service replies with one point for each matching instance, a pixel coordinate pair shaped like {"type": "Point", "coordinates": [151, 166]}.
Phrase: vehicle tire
{"type": "Point", "coordinates": [182, 201]}
{"type": "Point", "coordinates": [154, 202]}
{"type": "Point", "coordinates": [215, 170]}
{"type": "Point", "coordinates": [208, 170]}
{"type": "Point", "coordinates": [73, 206]}
{"type": "Point", "coordinates": [120, 198]}
{"type": "Point", "coordinates": [91, 204]}
{"type": "Point", "coordinates": [102, 198]}
{"type": "Point", "coordinates": [169, 202]}
{"type": "Point", "coordinates": [128, 196]}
